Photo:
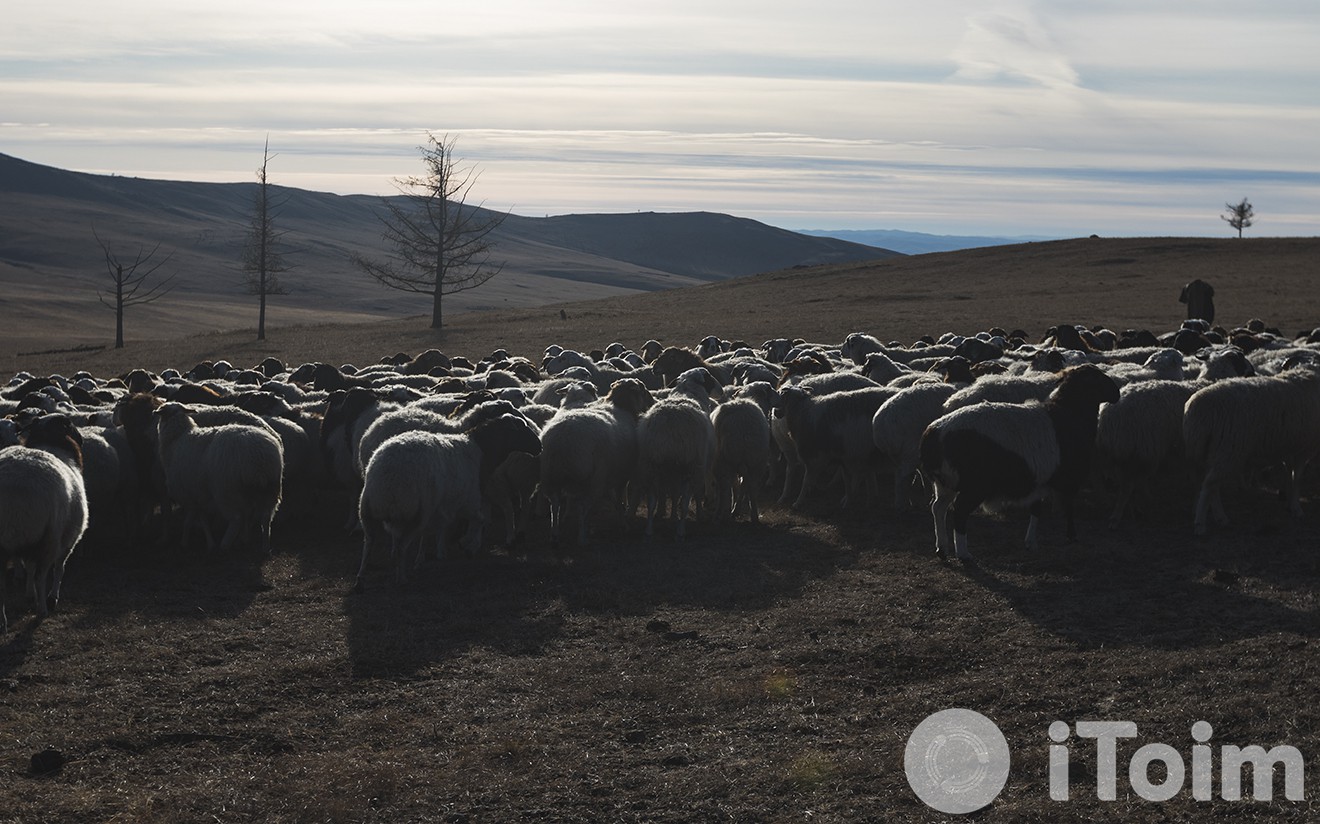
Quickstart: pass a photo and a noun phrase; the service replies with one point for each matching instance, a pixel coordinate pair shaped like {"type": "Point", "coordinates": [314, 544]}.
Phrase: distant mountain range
{"type": "Point", "coordinates": [51, 264]}
{"type": "Point", "coordinates": [919, 243]}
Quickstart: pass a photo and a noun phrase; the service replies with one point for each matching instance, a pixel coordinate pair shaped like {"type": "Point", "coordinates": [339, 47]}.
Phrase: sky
{"type": "Point", "coordinates": [989, 117]}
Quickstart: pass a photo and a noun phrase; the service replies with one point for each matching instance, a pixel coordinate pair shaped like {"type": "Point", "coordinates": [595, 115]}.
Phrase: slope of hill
{"type": "Point", "coordinates": [51, 265]}
{"type": "Point", "coordinates": [1121, 283]}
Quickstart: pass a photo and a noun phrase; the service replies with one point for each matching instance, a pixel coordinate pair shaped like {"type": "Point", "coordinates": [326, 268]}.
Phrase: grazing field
{"type": "Point", "coordinates": [767, 673]}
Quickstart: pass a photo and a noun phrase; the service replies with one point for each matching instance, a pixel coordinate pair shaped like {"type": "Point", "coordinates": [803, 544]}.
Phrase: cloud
{"type": "Point", "coordinates": [1011, 45]}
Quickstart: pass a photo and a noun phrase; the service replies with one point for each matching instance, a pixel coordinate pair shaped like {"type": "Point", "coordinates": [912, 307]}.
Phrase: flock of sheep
{"type": "Point", "coordinates": [434, 449]}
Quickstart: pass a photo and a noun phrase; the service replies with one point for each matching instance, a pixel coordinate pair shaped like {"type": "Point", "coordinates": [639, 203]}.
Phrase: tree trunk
{"type": "Point", "coordinates": [119, 310]}
{"type": "Point", "coordinates": [435, 308]}
{"type": "Point", "coordinates": [261, 317]}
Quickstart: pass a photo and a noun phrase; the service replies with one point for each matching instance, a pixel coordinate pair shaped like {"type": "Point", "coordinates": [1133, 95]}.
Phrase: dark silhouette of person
{"type": "Point", "coordinates": [1199, 297]}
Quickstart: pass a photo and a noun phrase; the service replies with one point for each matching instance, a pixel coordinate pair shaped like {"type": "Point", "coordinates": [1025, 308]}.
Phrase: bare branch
{"type": "Point", "coordinates": [438, 244]}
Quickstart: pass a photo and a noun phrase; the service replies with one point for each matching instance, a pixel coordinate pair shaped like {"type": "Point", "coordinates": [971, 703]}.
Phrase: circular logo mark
{"type": "Point", "coordinates": [956, 761]}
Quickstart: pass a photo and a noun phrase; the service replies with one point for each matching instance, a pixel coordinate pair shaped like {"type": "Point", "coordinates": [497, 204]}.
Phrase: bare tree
{"type": "Point", "coordinates": [440, 243]}
{"type": "Point", "coordinates": [127, 282]}
{"type": "Point", "coordinates": [262, 261]}
{"type": "Point", "coordinates": [1239, 216]}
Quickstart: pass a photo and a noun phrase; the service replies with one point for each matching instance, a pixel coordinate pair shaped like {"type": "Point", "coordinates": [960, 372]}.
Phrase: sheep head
{"type": "Point", "coordinates": [1084, 386]}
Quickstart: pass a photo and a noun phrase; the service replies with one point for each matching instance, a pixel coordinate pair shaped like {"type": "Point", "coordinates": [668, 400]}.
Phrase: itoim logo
{"type": "Point", "coordinates": [1231, 762]}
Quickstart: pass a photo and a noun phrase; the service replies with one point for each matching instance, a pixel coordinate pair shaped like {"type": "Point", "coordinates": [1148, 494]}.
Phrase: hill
{"type": "Point", "coordinates": [51, 265]}
{"type": "Point", "coordinates": [1119, 282]}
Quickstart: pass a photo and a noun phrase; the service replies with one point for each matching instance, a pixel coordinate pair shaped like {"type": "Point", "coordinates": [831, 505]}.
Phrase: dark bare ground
{"type": "Point", "coordinates": [767, 674]}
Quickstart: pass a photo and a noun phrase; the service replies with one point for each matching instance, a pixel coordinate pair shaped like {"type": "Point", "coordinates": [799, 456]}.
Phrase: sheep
{"type": "Point", "coordinates": [742, 455]}
{"type": "Point", "coordinates": [417, 483]}
{"type": "Point", "coordinates": [1234, 426]}
{"type": "Point", "coordinates": [1004, 389]}
{"type": "Point", "coordinates": [590, 453]}
{"type": "Point", "coordinates": [232, 472]}
{"type": "Point", "coordinates": [1008, 452]}
{"type": "Point", "coordinates": [857, 346]}
{"type": "Point", "coordinates": [827, 383]}
{"type": "Point", "coordinates": [675, 447]}
{"type": "Point", "coordinates": [878, 367]}
{"type": "Point", "coordinates": [415, 417]}
{"type": "Point", "coordinates": [43, 508]}
{"type": "Point", "coordinates": [673, 362]}
{"type": "Point", "coordinates": [897, 426]}
{"type": "Point", "coordinates": [833, 429]}
{"type": "Point", "coordinates": [569, 359]}
{"type": "Point", "coordinates": [1141, 433]}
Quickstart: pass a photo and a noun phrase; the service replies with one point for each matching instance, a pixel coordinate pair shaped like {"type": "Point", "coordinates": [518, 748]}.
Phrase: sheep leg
{"type": "Point", "coordinates": [40, 588]}
{"type": "Point", "coordinates": [794, 473]}
{"type": "Point", "coordinates": [372, 531]}
{"type": "Point", "coordinates": [233, 526]}
{"type": "Point", "coordinates": [472, 536]}
{"type": "Point", "coordinates": [556, 516]}
{"type": "Point", "coordinates": [1294, 489]}
{"type": "Point", "coordinates": [939, 510]}
{"type": "Point", "coordinates": [1069, 503]}
{"type": "Point", "coordinates": [728, 497]}
{"type": "Point", "coordinates": [684, 496]}
{"type": "Point", "coordinates": [584, 510]}
{"type": "Point", "coordinates": [1121, 505]}
{"type": "Point", "coordinates": [651, 504]}
{"type": "Point", "coordinates": [964, 504]}
{"type": "Point", "coordinates": [805, 489]}
{"type": "Point", "coordinates": [1203, 499]}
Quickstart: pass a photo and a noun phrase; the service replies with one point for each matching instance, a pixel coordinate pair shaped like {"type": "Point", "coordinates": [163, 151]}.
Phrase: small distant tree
{"type": "Point", "coordinates": [262, 261]}
{"type": "Point", "coordinates": [440, 243]}
{"type": "Point", "coordinates": [127, 282]}
{"type": "Point", "coordinates": [1239, 215]}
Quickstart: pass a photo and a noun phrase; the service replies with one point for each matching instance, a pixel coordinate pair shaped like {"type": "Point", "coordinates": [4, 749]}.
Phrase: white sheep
{"type": "Point", "coordinates": [416, 417]}
{"type": "Point", "coordinates": [418, 484]}
{"type": "Point", "coordinates": [43, 508]}
{"type": "Point", "coordinates": [1235, 426]}
{"type": "Point", "coordinates": [1140, 434]}
{"type": "Point", "coordinates": [591, 453]}
{"type": "Point", "coordinates": [1014, 453]}
{"type": "Point", "coordinates": [1033, 386]}
{"type": "Point", "coordinates": [232, 473]}
{"type": "Point", "coordinates": [829, 430]}
{"type": "Point", "coordinates": [675, 447]}
{"type": "Point", "coordinates": [742, 455]}
{"type": "Point", "coordinates": [897, 426]}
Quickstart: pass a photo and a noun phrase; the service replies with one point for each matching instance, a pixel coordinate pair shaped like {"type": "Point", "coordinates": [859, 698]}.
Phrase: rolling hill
{"type": "Point", "coordinates": [51, 265]}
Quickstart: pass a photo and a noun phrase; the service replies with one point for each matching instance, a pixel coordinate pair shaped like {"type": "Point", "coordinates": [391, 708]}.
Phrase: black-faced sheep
{"type": "Point", "coordinates": [43, 507]}
{"type": "Point", "coordinates": [996, 452]}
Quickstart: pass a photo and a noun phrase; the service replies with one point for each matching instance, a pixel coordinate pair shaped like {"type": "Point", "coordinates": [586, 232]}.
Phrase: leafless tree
{"type": "Point", "coordinates": [1239, 216]}
{"type": "Point", "coordinates": [262, 261]}
{"type": "Point", "coordinates": [440, 244]}
{"type": "Point", "coordinates": [128, 280]}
